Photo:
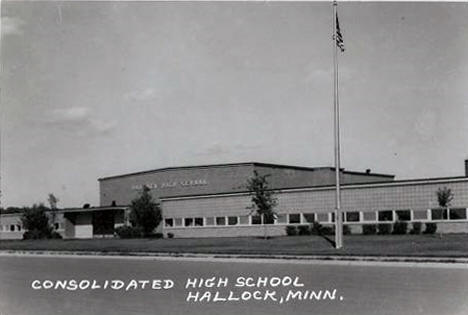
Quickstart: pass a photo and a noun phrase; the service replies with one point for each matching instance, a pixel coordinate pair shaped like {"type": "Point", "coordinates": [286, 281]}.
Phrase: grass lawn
{"type": "Point", "coordinates": [449, 245]}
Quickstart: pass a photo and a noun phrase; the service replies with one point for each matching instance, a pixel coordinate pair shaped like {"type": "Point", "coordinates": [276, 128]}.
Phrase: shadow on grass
{"type": "Point", "coordinates": [328, 239]}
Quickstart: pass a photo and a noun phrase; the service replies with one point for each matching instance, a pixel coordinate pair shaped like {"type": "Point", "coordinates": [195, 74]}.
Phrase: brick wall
{"type": "Point", "coordinates": [218, 179]}
{"type": "Point", "coordinates": [414, 196]}
{"type": "Point", "coordinates": [8, 220]}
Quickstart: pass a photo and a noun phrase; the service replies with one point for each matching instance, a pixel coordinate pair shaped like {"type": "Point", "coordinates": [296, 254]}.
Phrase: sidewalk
{"type": "Point", "coordinates": [323, 258]}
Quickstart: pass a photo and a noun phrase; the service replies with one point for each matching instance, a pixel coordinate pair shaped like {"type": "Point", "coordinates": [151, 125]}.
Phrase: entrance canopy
{"type": "Point", "coordinates": [93, 221]}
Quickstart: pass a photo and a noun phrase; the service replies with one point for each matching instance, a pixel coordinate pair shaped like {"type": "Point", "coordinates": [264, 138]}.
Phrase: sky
{"type": "Point", "coordinates": [93, 89]}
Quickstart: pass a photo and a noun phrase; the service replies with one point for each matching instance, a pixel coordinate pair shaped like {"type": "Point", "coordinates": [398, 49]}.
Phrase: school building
{"type": "Point", "coordinates": [212, 201]}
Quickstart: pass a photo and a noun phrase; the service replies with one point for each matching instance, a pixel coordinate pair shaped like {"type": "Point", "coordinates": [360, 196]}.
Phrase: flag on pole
{"type": "Point", "coordinates": [338, 36]}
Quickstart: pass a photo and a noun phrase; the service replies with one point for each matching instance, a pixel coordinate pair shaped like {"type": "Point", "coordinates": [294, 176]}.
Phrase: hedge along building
{"type": "Point", "coordinates": [212, 201]}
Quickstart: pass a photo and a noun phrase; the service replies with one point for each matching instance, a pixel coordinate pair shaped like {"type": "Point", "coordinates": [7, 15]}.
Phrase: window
{"type": "Point", "coordinates": [420, 215]}
{"type": "Point", "coordinates": [294, 218]}
{"type": "Point", "coordinates": [12, 228]}
{"type": "Point", "coordinates": [269, 219]}
{"type": "Point", "coordinates": [322, 217]}
{"type": "Point", "coordinates": [458, 214]}
{"type": "Point", "coordinates": [439, 214]}
{"type": "Point", "coordinates": [369, 216]}
{"type": "Point", "coordinates": [386, 215]}
{"type": "Point", "coordinates": [282, 218]}
{"type": "Point", "coordinates": [256, 219]}
{"type": "Point", "coordinates": [18, 227]}
{"type": "Point", "coordinates": [188, 222]}
{"type": "Point", "coordinates": [198, 221]}
{"type": "Point", "coordinates": [403, 215]}
{"type": "Point", "coordinates": [244, 219]}
{"type": "Point", "coordinates": [233, 220]}
{"type": "Point", "coordinates": [178, 222]}
{"type": "Point", "coordinates": [210, 221]}
{"type": "Point", "coordinates": [333, 216]}
{"type": "Point", "coordinates": [352, 216]}
{"type": "Point", "coordinates": [309, 217]}
{"type": "Point", "coordinates": [169, 222]}
{"type": "Point", "coordinates": [220, 221]}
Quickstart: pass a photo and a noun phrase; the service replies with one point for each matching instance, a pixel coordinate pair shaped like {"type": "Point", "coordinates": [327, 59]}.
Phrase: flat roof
{"type": "Point", "coordinates": [62, 210]}
{"type": "Point", "coordinates": [303, 168]}
{"type": "Point", "coordinates": [106, 208]}
{"type": "Point", "coordinates": [422, 181]}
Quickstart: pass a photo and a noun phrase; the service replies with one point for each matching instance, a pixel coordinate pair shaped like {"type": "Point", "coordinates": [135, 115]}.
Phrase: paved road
{"type": "Point", "coordinates": [360, 289]}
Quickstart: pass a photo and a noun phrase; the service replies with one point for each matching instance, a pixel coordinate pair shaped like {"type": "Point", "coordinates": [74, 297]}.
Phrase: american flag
{"type": "Point", "coordinates": [339, 37]}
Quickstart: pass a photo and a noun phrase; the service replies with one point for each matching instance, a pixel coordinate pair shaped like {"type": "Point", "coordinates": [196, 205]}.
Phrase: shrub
{"type": "Point", "coordinates": [126, 231]}
{"type": "Point", "coordinates": [34, 235]}
{"type": "Point", "coordinates": [346, 230]}
{"type": "Point", "coordinates": [291, 230]}
{"type": "Point", "coordinates": [303, 230]}
{"type": "Point", "coordinates": [38, 234]}
{"type": "Point", "coordinates": [170, 235]}
{"type": "Point", "coordinates": [400, 227]}
{"type": "Point", "coordinates": [156, 235]}
{"type": "Point", "coordinates": [431, 228]}
{"type": "Point", "coordinates": [417, 226]}
{"type": "Point", "coordinates": [328, 230]}
{"type": "Point", "coordinates": [369, 229]}
{"type": "Point", "coordinates": [316, 228]}
{"type": "Point", "coordinates": [384, 229]}
{"type": "Point", "coordinates": [56, 235]}
{"type": "Point", "coordinates": [36, 222]}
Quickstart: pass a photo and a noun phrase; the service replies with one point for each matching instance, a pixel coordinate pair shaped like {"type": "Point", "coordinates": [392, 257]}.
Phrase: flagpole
{"type": "Point", "coordinates": [338, 217]}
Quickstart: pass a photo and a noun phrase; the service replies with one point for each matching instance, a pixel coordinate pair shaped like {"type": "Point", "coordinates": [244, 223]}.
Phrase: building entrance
{"type": "Point", "coordinates": [103, 223]}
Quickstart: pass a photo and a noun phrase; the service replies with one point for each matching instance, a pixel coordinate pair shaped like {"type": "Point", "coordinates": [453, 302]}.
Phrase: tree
{"type": "Point", "coordinates": [53, 201]}
{"type": "Point", "coordinates": [145, 213]}
{"type": "Point", "coordinates": [444, 198]}
{"type": "Point", "coordinates": [53, 207]}
{"type": "Point", "coordinates": [263, 201]}
{"type": "Point", "coordinates": [36, 222]}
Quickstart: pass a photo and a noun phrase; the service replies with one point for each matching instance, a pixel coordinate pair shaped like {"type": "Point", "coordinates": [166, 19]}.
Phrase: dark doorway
{"type": "Point", "coordinates": [103, 223]}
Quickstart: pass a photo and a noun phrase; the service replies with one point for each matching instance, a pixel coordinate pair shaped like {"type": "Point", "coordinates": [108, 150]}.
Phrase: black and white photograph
{"type": "Point", "coordinates": [233, 157]}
